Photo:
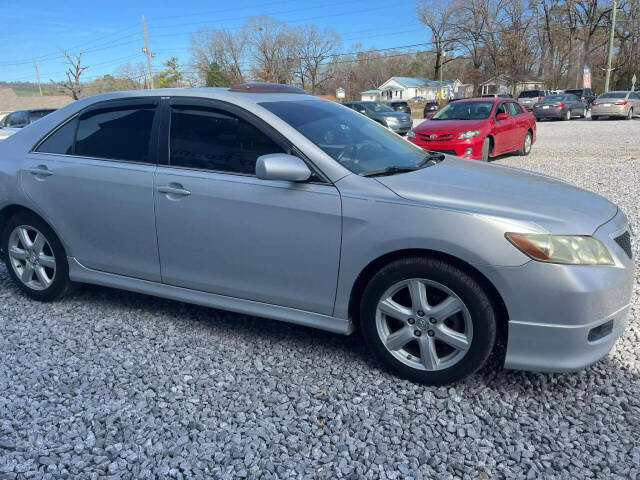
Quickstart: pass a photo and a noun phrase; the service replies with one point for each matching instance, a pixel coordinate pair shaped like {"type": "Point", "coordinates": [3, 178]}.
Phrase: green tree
{"type": "Point", "coordinates": [216, 77]}
{"type": "Point", "coordinates": [170, 76]}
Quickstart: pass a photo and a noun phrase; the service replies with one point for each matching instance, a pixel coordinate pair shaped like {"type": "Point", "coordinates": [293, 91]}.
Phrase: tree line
{"type": "Point", "coordinates": [473, 40]}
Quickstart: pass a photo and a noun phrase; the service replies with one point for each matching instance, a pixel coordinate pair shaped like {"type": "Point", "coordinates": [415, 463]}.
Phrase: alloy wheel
{"type": "Point", "coordinates": [31, 257]}
{"type": "Point", "coordinates": [527, 143]}
{"type": "Point", "coordinates": [424, 324]}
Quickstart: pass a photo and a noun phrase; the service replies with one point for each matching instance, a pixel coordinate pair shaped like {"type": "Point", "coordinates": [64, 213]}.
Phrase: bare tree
{"type": "Point", "coordinates": [272, 49]}
{"type": "Point", "coordinates": [312, 49]}
{"type": "Point", "coordinates": [72, 86]}
{"type": "Point", "coordinates": [221, 47]}
{"type": "Point", "coordinates": [438, 16]}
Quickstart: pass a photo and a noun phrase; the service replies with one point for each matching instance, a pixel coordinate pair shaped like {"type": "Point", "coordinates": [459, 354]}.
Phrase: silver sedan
{"type": "Point", "coordinates": [264, 200]}
{"type": "Point", "coordinates": [622, 104]}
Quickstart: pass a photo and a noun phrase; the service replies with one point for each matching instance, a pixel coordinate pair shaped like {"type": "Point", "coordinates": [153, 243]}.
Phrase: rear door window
{"type": "Point", "coordinates": [119, 133]}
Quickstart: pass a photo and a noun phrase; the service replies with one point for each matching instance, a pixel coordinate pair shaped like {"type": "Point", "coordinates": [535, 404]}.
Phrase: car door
{"type": "Point", "coordinates": [503, 130]}
{"type": "Point", "coordinates": [520, 123]}
{"type": "Point", "coordinates": [225, 231]}
{"type": "Point", "coordinates": [92, 178]}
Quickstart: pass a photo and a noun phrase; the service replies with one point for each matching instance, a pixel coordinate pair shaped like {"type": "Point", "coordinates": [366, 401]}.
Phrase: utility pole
{"type": "Point", "coordinates": [146, 50]}
{"type": "Point", "coordinates": [607, 77]}
{"type": "Point", "coordinates": [442, 55]}
{"type": "Point", "coordinates": [35, 64]}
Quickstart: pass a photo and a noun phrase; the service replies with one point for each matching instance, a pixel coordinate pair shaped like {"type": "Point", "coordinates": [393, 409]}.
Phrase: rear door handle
{"type": "Point", "coordinates": [39, 171]}
{"type": "Point", "coordinates": [174, 189]}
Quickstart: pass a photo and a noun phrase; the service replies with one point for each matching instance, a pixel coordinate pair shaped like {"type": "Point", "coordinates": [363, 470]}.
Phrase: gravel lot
{"type": "Point", "coordinates": [118, 385]}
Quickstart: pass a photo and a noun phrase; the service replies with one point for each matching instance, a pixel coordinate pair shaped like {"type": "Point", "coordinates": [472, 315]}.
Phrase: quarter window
{"type": "Point", "coordinates": [116, 133]}
{"type": "Point", "coordinates": [210, 139]}
{"type": "Point", "coordinates": [60, 141]}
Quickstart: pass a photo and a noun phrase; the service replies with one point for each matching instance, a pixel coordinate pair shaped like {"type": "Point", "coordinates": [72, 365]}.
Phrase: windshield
{"type": "Point", "coordinates": [553, 98]}
{"type": "Point", "coordinates": [614, 95]}
{"type": "Point", "coordinates": [377, 107]}
{"type": "Point", "coordinates": [530, 93]}
{"type": "Point", "coordinates": [464, 111]}
{"type": "Point", "coordinates": [356, 142]}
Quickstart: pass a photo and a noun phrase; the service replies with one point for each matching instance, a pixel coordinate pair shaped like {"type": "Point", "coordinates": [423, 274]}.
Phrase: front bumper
{"type": "Point", "coordinates": [555, 310]}
{"type": "Point", "coordinates": [470, 148]}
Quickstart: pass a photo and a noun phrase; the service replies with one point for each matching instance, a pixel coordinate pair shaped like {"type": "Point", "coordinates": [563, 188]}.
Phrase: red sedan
{"type": "Point", "coordinates": [478, 128]}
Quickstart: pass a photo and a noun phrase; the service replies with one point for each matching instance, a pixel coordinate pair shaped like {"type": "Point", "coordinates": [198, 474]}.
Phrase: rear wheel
{"type": "Point", "coordinates": [567, 116]}
{"type": "Point", "coordinates": [629, 115]}
{"type": "Point", "coordinates": [595, 117]}
{"type": "Point", "coordinates": [35, 257]}
{"type": "Point", "coordinates": [427, 320]}
{"type": "Point", "coordinates": [486, 149]}
{"type": "Point", "coordinates": [584, 113]}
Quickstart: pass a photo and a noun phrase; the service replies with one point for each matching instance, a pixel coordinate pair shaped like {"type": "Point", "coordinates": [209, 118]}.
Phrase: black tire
{"type": "Point", "coordinates": [524, 151]}
{"type": "Point", "coordinates": [61, 283]}
{"type": "Point", "coordinates": [584, 113]}
{"type": "Point", "coordinates": [482, 314]}
{"type": "Point", "coordinates": [629, 115]}
{"type": "Point", "coordinates": [567, 116]}
{"type": "Point", "coordinates": [595, 117]}
{"type": "Point", "coordinates": [486, 149]}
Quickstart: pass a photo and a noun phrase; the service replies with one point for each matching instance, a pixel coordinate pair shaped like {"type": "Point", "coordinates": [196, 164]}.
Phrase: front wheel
{"type": "Point", "coordinates": [486, 149]}
{"type": "Point", "coordinates": [35, 258]}
{"type": "Point", "coordinates": [427, 320]}
{"type": "Point", "coordinates": [526, 145]}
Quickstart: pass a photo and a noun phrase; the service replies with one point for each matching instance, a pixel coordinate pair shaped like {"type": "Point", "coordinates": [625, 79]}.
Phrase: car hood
{"type": "Point", "coordinates": [429, 126]}
{"type": "Point", "coordinates": [503, 192]}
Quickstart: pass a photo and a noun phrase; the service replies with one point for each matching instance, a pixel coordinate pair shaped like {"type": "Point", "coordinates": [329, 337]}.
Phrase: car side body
{"type": "Point", "coordinates": [303, 252]}
{"type": "Point", "coordinates": [616, 104]}
{"type": "Point", "coordinates": [562, 106]}
{"type": "Point", "coordinates": [505, 135]}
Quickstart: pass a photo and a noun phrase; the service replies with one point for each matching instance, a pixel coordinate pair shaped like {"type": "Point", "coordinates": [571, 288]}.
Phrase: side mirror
{"type": "Point", "coordinates": [280, 166]}
{"type": "Point", "coordinates": [502, 116]}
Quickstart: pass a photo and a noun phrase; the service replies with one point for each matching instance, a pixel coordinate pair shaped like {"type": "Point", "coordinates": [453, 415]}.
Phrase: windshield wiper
{"type": "Point", "coordinates": [389, 171]}
{"type": "Point", "coordinates": [430, 159]}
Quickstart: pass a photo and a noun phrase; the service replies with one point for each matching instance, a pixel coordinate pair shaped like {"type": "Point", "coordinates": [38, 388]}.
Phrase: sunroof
{"type": "Point", "coordinates": [265, 87]}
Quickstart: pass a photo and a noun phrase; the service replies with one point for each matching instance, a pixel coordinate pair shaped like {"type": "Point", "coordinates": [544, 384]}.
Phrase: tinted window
{"type": "Point", "coordinates": [613, 95]}
{"type": "Point", "coordinates": [38, 114]}
{"type": "Point", "coordinates": [117, 133]}
{"type": "Point", "coordinates": [354, 141]}
{"type": "Point", "coordinates": [209, 139]}
{"type": "Point", "coordinates": [18, 119]}
{"type": "Point", "coordinates": [514, 108]}
{"type": "Point", "coordinates": [376, 107]}
{"type": "Point", "coordinates": [60, 141]}
{"type": "Point", "coordinates": [531, 93]}
{"type": "Point", "coordinates": [554, 98]}
{"type": "Point", "coordinates": [464, 111]}
{"type": "Point", "coordinates": [577, 92]}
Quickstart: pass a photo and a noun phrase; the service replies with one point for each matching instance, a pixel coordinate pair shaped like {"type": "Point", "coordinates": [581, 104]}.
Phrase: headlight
{"type": "Point", "coordinates": [411, 134]}
{"type": "Point", "coordinates": [468, 134]}
{"type": "Point", "coordinates": [391, 119]}
{"type": "Point", "coordinates": [567, 249]}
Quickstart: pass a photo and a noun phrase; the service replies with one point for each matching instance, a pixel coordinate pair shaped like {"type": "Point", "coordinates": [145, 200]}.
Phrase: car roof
{"type": "Point", "coordinates": [483, 99]}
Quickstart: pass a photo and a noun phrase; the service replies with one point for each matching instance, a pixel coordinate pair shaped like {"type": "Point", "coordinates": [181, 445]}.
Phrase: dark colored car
{"type": "Point", "coordinates": [584, 94]}
{"type": "Point", "coordinates": [22, 118]}
{"type": "Point", "coordinates": [399, 122]}
{"type": "Point", "coordinates": [430, 108]}
{"type": "Point", "coordinates": [562, 105]}
{"type": "Point", "coordinates": [400, 106]}
{"type": "Point", "coordinates": [477, 128]}
{"type": "Point", "coordinates": [529, 98]}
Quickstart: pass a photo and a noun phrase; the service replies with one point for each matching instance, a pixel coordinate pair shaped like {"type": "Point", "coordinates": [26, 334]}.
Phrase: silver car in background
{"type": "Point", "coordinates": [264, 200]}
{"type": "Point", "coordinates": [622, 104]}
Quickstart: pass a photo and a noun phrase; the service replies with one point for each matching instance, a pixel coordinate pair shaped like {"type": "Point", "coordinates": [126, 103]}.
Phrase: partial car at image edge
{"type": "Point", "coordinates": [264, 200]}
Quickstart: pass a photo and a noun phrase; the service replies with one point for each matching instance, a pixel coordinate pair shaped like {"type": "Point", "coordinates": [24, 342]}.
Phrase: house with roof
{"type": "Point", "coordinates": [503, 83]}
{"type": "Point", "coordinates": [403, 88]}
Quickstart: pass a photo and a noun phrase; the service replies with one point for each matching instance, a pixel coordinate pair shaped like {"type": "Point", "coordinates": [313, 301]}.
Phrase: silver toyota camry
{"type": "Point", "coordinates": [263, 200]}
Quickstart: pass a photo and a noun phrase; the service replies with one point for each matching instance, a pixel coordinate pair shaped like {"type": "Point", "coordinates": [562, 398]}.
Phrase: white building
{"type": "Point", "coordinates": [397, 88]}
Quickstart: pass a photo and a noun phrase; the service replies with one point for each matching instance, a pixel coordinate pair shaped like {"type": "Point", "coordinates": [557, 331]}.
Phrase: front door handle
{"type": "Point", "coordinates": [39, 171]}
{"type": "Point", "coordinates": [174, 190]}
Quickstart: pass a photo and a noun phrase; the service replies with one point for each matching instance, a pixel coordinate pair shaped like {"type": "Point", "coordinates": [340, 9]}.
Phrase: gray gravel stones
{"type": "Point", "coordinates": [109, 384]}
